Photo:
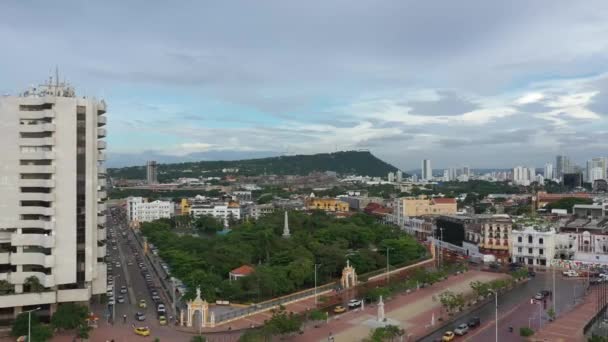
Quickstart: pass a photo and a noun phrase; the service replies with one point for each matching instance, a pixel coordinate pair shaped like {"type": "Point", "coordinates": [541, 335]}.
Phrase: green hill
{"type": "Point", "coordinates": [348, 162]}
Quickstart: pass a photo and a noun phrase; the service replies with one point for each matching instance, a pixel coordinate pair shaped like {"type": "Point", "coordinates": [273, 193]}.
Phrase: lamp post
{"type": "Point", "coordinates": [316, 265]}
{"type": "Point", "coordinates": [29, 323]}
{"type": "Point", "coordinates": [388, 249]}
{"type": "Point", "coordinates": [496, 313]}
{"type": "Point", "coordinates": [114, 297]}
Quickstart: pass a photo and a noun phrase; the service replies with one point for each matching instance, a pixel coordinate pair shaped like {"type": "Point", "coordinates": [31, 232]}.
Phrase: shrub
{"type": "Point", "coordinates": [525, 331]}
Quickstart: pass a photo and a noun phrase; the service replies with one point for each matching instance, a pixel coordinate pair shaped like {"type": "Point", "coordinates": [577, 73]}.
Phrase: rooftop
{"type": "Point", "coordinates": [244, 270]}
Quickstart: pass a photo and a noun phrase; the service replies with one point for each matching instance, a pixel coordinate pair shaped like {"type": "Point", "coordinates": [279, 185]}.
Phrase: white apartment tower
{"type": "Point", "coordinates": [427, 171]}
{"type": "Point", "coordinates": [399, 176]}
{"type": "Point", "coordinates": [52, 209]}
{"type": "Point", "coordinates": [548, 171]}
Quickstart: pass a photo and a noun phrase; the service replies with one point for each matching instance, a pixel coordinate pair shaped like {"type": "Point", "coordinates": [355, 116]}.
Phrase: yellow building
{"type": "Point", "coordinates": [185, 206]}
{"type": "Point", "coordinates": [327, 204]}
{"type": "Point", "coordinates": [420, 206]}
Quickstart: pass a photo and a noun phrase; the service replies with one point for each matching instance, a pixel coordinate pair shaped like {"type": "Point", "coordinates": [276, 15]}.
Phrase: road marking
{"type": "Point", "coordinates": [492, 322]}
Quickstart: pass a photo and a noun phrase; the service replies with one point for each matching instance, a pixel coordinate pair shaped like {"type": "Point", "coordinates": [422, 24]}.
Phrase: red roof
{"type": "Point", "coordinates": [439, 200]}
{"type": "Point", "coordinates": [244, 270]}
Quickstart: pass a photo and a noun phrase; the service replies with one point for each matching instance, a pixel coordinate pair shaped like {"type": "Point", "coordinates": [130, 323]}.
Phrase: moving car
{"type": "Point", "coordinates": [353, 303]}
{"type": "Point", "coordinates": [539, 296]}
{"type": "Point", "coordinates": [123, 289]}
{"type": "Point", "coordinates": [474, 322]}
{"type": "Point", "coordinates": [448, 336]}
{"type": "Point", "coordinates": [339, 309]}
{"type": "Point", "coordinates": [546, 293]}
{"type": "Point", "coordinates": [162, 320]}
{"type": "Point", "coordinates": [140, 316]}
{"type": "Point", "coordinates": [142, 331]}
{"type": "Point", "coordinates": [161, 308]}
{"type": "Point", "coordinates": [461, 329]}
{"type": "Point", "coordinates": [142, 303]}
{"type": "Point", "coordinates": [570, 273]}
{"type": "Point", "coordinates": [120, 299]}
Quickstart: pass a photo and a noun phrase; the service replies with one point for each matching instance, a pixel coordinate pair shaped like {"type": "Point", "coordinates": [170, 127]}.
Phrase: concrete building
{"type": "Point", "coordinates": [399, 177]}
{"type": "Point", "coordinates": [420, 206]}
{"type": "Point", "coordinates": [534, 247]}
{"type": "Point", "coordinates": [255, 211]}
{"type": "Point", "coordinates": [548, 171]}
{"type": "Point", "coordinates": [152, 172]}
{"type": "Point", "coordinates": [495, 237]}
{"type": "Point", "coordinates": [327, 204]}
{"type": "Point", "coordinates": [223, 212]}
{"type": "Point", "coordinates": [391, 177]}
{"type": "Point", "coordinates": [523, 175]}
{"type": "Point", "coordinates": [53, 186]}
{"type": "Point", "coordinates": [596, 169]}
{"type": "Point", "coordinates": [427, 171]}
{"type": "Point", "coordinates": [562, 165]}
{"type": "Point", "coordinates": [138, 210]}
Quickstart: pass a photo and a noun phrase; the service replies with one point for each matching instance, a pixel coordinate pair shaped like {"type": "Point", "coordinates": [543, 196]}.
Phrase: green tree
{"type": "Point", "coordinates": [33, 284]}
{"type": "Point", "coordinates": [198, 339]}
{"type": "Point", "coordinates": [388, 333]}
{"type": "Point", "coordinates": [39, 331]}
{"type": "Point", "coordinates": [317, 315]}
{"type": "Point", "coordinates": [567, 203]}
{"type": "Point", "coordinates": [525, 331]}
{"type": "Point", "coordinates": [83, 331]}
{"type": "Point", "coordinates": [6, 287]}
{"type": "Point", "coordinates": [207, 224]}
{"type": "Point", "coordinates": [597, 338]}
{"type": "Point", "coordinates": [69, 316]}
{"type": "Point", "coordinates": [282, 323]}
{"type": "Point", "coordinates": [254, 336]}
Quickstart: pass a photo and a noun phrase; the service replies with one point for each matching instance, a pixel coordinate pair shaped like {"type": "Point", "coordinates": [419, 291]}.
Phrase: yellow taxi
{"type": "Point", "coordinates": [142, 331]}
{"type": "Point", "coordinates": [162, 320]}
{"type": "Point", "coordinates": [448, 336]}
{"type": "Point", "coordinates": [339, 309]}
{"type": "Point", "coordinates": [142, 303]}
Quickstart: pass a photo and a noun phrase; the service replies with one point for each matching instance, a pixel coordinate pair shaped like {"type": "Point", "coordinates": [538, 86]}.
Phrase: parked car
{"type": "Point", "coordinates": [162, 320]}
{"type": "Point", "coordinates": [546, 293]}
{"type": "Point", "coordinates": [474, 322]}
{"type": "Point", "coordinates": [570, 273]}
{"type": "Point", "coordinates": [353, 303]}
{"type": "Point", "coordinates": [339, 309]}
{"type": "Point", "coordinates": [120, 299]}
{"type": "Point", "coordinates": [531, 273]}
{"type": "Point", "coordinates": [142, 303]}
{"type": "Point", "coordinates": [123, 289]}
{"type": "Point", "coordinates": [448, 336]}
{"type": "Point", "coordinates": [142, 331]}
{"type": "Point", "coordinates": [461, 329]}
{"type": "Point", "coordinates": [539, 296]}
{"type": "Point", "coordinates": [161, 308]}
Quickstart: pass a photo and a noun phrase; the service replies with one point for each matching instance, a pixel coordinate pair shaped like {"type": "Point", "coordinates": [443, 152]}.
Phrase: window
{"type": "Point", "coordinates": [530, 250]}
{"type": "Point", "coordinates": [540, 251]}
{"type": "Point", "coordinates": [519, 249]}
{"type": "Point", "coordinates": [519, 239]}
{"type": "Point", "coordinates": [540, 241]}
{"type": "Point", "coordinates": [529, 238]}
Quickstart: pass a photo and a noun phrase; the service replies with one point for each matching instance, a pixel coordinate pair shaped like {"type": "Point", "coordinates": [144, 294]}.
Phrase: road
{"type": "Point", "coordinates": [515, 309]}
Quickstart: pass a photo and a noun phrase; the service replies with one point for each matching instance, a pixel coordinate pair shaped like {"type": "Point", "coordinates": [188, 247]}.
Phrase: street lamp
{"type": "Point", "coordinates": [496, 312]}
{"type": "Point", "coordinates": [388, 274]}
{"type": "Point", "coordinates": [29, 323]}
{"type": "Point", "coordinates": [114, 297]}
{"type": "Point", "coordinates": [316, 265]}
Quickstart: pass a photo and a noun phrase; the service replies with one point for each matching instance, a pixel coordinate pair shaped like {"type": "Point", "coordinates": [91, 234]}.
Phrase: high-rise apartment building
{"type": "Point", "coordinates": [151, 172]}
{"type": "Point", "coordinates": [427, 171]}
{"type": "Point", "coordinates": [52, 209]}
{"type": "Point", "coordinates": [596, 169]}
{"type": "Point", "coordinates": [523, 175]}
{"type": "Point", "coordinates": [562, 165]}
{"type": "Point", "coordinates": [391, 177]}
{"type": "Point", "coordinates": [548, 171]}
{"type": "Point", "coordinates": [399, 176]}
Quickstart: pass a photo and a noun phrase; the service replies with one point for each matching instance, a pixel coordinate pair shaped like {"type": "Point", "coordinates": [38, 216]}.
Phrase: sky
{"type": "Point", "coordinates": [477, 83]}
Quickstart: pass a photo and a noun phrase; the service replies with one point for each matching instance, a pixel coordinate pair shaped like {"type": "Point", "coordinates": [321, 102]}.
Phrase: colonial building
{"type": "Point", "coordinates": [138, 210]}
{"type": "Point", "coordinates": [495, 237]}
{"type": "Point", "coordinates": [532, 246]}
{"type": "Point", "coordinates": [327, 204]}
{"type": "Point", "coordinates": [420, 206]}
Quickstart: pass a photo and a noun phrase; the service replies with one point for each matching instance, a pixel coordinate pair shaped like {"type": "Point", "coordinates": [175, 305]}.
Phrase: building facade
{"type": "Point", "coordinates": [152, 172]}
{"type": "Point", "coordinates": [533, 247]}
{"type": "Point", "coordinates": [495, 237]}
{"type": "Point", "coordinates": [420, 206]}
{"type": "Point", "coordinates": [548, 173]}
{"type": "Point", "coordinates": [224, 212]}
{"type": "Point", "coordinates": [327, 204]}
{"type": "Point", "coordinates": [427, 171]}
{"type": "Point", "coordinates": [53, 211]}
{"type": "Point", "coordinates": [139, 210]}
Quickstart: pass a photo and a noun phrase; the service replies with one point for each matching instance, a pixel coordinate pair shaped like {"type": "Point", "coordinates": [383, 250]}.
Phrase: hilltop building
{"type": "Point", "coordinates": [152, 172]}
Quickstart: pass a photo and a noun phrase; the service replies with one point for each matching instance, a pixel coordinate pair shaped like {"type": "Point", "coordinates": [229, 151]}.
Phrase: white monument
{"type": "Point", "coordinates": [381, 316]}
{"type": "Point", "coordinates": [286, 232]}
{"type": "Point", "coordinates": [349, 276]}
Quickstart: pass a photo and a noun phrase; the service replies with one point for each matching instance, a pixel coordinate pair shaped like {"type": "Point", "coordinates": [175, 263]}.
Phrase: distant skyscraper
{"type": "Point", "coordinates": [523, 175]}
{"type": "Point", "coordinates": [453, 174]}
{"type": "Point", "coordinates": [427, 171]}
{"type": "Point", "coordinates": [466, 171]}
{"type": "Point", "coordinates": [596, 169]}
{"type": "Point", "coordinates": [562, 165]}
{"type": "Point", "coordinates": [391, 177]}
{"type": "Point", "coordinates": [399, 176]}
{"type": "Point", "coordinates": [152, 173]}
{"type": "Point", "coordinates": [446, 175]}
{"type": "Point", "coordinates": [548, 171]}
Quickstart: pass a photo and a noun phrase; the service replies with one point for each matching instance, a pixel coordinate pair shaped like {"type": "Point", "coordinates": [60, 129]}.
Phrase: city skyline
{"type": "Point", "coordinates": [182, 82]}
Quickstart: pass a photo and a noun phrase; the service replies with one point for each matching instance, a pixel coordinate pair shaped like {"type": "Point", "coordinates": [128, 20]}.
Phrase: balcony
{"type": "Point", "coordinates": [37, 114]}
{"type": "Point", "coordinates": [36, 196]}
{"type": "Point", "coordinates": [101, 144]}
{"type": "Point", "coordinates": [5, 258]}
{"type": "Point", "coordinates": [101, 234]}
{"type": "Point", "coordinates": [36, 141]}
{"type": "Point", "coordinates": [74, 295]}
{"type": "Point", "coordinates": [101, 208]}
{"type": "Point", "coordinates": [33, 259]}
{"type": "Point", "coordinates": [101, 132]}
{"type": "Point", "coordinates": [37, 155]}
{"type": "Point", "coordinates": [101, 156]}
{"type": "Point", "coordinates": [47, 127]}
{"type": "Point", "coordinates": [101, 107]}
{"type": "Point", "coordinates": [37, 169]}
{"type": "Point", "coordinates": [28, 299]}
{"type": "Point", "coordinates": [18, 278]}
{"type": "Point", "coordinates": [42, 224]}
{"type": "Point", "coordinates": [101, 220]}
{"type": "Point", "coordinates": [36, 211]}
{"type": "Point", "coordinates": [37, 183]}
{"type": "Point", "coordinates": [101, 195]}
{"type": "Point", "coordinates": [40, 240]}
{"type": "Point", "coordinates": [101, 121]}
{"type": "Point", "coordinates": [101, 251]}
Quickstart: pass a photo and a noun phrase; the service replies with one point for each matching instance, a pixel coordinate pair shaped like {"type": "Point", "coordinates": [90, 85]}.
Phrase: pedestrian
{"type": "Point", "coordinates": [124, 318]}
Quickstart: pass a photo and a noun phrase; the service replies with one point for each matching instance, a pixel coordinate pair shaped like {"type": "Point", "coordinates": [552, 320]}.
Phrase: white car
{"type": "Point", "coordinates": [161, 308]}
{"type": "Point", "coordinates": [461, 329]}
{"type": "Point", "coordinates": [570, 273]}
{"type": "Point", "coordinates": [353, 303]}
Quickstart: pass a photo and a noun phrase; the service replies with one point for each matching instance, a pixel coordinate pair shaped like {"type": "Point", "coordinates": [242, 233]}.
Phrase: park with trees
{"type": "Point", "coordinates": [282, 265]}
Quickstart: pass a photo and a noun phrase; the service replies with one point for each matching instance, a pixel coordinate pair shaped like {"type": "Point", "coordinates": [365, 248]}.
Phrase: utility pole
{"type": "Point", "coordinates": [316, 265]}
{"type": "Point", "coordinates": [554, 294]}
{"type": "Point", "coordinates": [496, 313]}
{"type": "Point", "coordinates": [29, 323]}
{"type": "Point", "coordinates": [387, 265]}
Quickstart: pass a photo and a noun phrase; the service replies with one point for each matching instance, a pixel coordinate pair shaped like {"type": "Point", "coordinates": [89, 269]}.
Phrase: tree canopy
{"type": "Point", "coordinates": [281, 265]}
{"type": "Point", "coordinates": [568, 202]}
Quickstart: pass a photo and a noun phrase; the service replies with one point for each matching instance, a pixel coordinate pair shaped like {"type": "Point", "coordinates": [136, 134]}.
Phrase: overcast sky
{"type": "Point", "coordinates": [479, 83]}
